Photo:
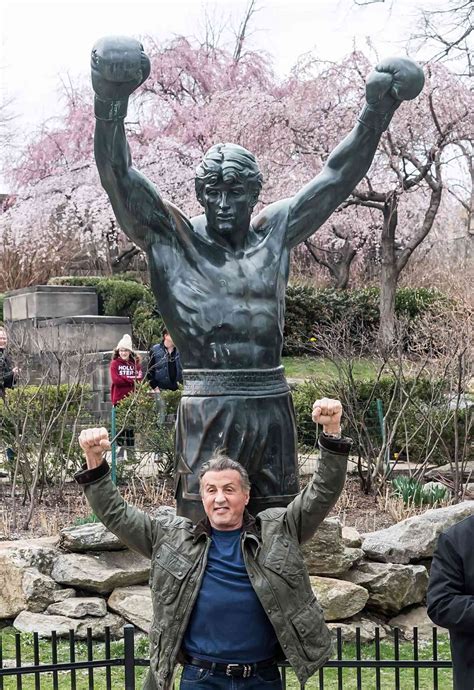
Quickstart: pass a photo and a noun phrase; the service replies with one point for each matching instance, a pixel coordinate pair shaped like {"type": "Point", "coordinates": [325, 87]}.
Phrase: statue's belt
{"type": "Point", "coordinates": [248, 382]}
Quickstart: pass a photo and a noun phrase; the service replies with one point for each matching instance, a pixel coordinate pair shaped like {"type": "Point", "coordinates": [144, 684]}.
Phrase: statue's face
{"type": "Point", "coordinates": [228, 207]}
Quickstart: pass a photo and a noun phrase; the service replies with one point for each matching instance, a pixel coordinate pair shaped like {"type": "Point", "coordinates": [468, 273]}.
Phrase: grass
{"type": "Point", "coordinates": [349, 676]}
{"type": "Point", "coordinates": [305, 367]}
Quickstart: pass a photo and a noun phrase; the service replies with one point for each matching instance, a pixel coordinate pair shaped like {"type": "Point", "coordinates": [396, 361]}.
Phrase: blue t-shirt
{"type": "Point", "coordinates": [228, 623]}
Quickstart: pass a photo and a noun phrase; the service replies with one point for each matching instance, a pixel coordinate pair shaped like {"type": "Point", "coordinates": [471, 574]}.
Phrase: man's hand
{"type": "Point", "coordinates": [94, 443]}
{"type": "Point", "coordinates": [328, 412]}
{"type": "Point", "coordinates": [393, 80]}
{"type": "Point", "coordinates": [119, 65]}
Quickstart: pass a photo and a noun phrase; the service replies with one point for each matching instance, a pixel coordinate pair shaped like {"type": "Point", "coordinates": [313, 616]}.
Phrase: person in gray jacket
{"type": "Point", "coordinates": [231, 595]}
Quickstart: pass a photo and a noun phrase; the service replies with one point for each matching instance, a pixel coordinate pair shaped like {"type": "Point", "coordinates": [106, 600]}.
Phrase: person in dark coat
{"type": "Point", "coordinates": [165, 371]}
{"type": "Point", "coordinates": [451, 597]}
{"type": "Point", "coordinates": [8, 372]}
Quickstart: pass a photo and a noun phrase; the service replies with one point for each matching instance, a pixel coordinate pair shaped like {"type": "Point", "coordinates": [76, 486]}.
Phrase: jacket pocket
{"type": "Point", "coordinates": [169, 570]}
{"type": "Point", "coordinates": [311, 630]}
{"type": "Point", "coordinates": [285, 559]}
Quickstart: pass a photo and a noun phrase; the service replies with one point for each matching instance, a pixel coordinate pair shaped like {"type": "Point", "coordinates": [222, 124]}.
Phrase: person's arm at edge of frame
{"type": "Point", "coordinates": [448, 604]}
{"type": "Point", "coordinates": [306, 512]}
{"type": "Point", "coordinates": [132, 526]}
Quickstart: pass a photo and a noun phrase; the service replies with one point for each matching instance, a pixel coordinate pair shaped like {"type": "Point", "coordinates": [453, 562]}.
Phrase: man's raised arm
{"type": "Point", "coordinates": [394, 80]}
{"type": "Point", "coordinates": [119, 65]}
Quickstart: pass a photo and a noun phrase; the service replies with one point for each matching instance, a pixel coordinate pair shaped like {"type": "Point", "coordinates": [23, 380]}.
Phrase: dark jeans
{"type": "Point", "coordinates": [201, 678]}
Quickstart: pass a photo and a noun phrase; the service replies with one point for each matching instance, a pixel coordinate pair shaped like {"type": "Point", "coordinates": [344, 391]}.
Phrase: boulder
{"type": "Point", "coordinates": [338, 598]}
{"type": "Point", "coordinates": [351, 537]}
{"type": "Point", "coordinates": [79, 607]}
{"type": "Point", "coordinates": [447, 470]}
{"type": "Point", "coordinates": [93, 536]}
{"type": "Point", "coordinates": [44, 624]}
{"type": "Point", "coordinates": [325, 553]}
{"type": "Point", "coordinates": [134, 604]}
{"type": "Point", "coordinates": [391, 586]}
{"type": "Point", "coordinates": [101, 572]}
{"type": "Point", "coordinates": [34, 553]}
{"type": "Point", "coordinates": [414, 538]}
{"type": "Point", "coordinates": [367, 627]}
{"type": "Point", "coordinates": [62, 594]}
{"type": "Point", "coordinates": [415, 618]}
{"type": "Point", "coordinates": [24, 588]}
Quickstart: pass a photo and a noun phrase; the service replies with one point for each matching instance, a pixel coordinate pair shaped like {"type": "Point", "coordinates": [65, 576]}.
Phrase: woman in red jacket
{"type": "Point", "coordinates": [125, 371]}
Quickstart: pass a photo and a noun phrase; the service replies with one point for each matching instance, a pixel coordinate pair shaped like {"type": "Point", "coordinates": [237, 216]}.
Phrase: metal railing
{"type": "Point", "coordinates": [64, 674]}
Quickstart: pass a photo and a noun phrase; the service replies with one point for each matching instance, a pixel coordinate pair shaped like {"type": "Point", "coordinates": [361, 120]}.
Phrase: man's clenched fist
{"type": "Point", "coordinates": [328, 412]}
{"type": "Point", "coordinates": [94, 443]}
{"type": "Point", "coordinates": [118, 65]}
{"type": "Point", "coordinates": [393, 80]}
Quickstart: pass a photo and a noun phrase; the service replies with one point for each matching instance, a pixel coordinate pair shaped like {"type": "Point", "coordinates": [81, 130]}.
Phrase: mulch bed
{"type": "Point", "coordinates": [354, 508]}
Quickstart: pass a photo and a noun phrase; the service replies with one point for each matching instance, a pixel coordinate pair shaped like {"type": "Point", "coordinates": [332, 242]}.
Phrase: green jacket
{"type": "Point", "coordinates": [270, 544]}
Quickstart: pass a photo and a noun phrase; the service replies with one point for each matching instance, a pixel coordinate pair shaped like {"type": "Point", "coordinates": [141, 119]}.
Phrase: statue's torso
{"type": "Point", "coordinates": [224, 309]}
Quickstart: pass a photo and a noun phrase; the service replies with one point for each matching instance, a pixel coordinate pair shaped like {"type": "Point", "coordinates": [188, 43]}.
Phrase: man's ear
{"type": "Point", "coordinates": [247, 499]}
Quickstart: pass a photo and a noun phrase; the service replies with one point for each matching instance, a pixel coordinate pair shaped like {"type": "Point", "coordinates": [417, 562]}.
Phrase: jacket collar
{"type": "Point", "coordinates": [249, 527]}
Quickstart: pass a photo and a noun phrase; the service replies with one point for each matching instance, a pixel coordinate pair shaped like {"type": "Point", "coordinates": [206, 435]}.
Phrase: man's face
{"type": "Point", "coordinates": [168, 342]}
{"type": "Point", "coordinates": [3, 338]}
{"type": "Point", "coordinates": [224, 499]}
{"type": "Point", "coordinates": [228, 208]}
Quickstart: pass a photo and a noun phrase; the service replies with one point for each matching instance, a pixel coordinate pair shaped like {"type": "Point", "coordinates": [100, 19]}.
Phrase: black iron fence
{"type": "Point", "coordinates": [362, 666]}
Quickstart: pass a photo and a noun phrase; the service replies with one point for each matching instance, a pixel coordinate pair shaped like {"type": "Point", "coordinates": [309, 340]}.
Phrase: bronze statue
{"type": "Point", "coordinates": [220, 278]}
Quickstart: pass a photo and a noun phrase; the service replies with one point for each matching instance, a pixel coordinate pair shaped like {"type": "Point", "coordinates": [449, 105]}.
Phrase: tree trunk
{"type": "Point", "coordinates": [389, 274]}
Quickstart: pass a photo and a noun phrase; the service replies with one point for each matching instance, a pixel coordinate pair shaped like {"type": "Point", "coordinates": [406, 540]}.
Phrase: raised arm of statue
{"type": "Point", "coordinates": [119, 65]}
{"type": "Point", "coordinates": [393, 81]}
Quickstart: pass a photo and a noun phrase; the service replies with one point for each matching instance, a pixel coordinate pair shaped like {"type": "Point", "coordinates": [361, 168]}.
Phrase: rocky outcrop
{"type": "Point", "coordinates": [351, 537]}
{"type": "Point", "coordinates": [93, 536]}
{"type": "Point", "coordinates": [79, 607]}
{"type": "Point", "coordinates": [338, 598]}
{"type": "Point", "coordinates": [134, 604]}
{"type": "Point", "coordinates": [25, 583]}
{"type": "Point", "coordinates": [391, 586]}
{"type": "Point", "coordinates": [367, 627]}
{"type": "Point", "coordinates": [326, 554]}
{"type": "Point", "coordinates": [415, 538]}
{"type": "Point", "coordinates": [415, 618]}
{"type": "Point", "coordinates": [101, 572]}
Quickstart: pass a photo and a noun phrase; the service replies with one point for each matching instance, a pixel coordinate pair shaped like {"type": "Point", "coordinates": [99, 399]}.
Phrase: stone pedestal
{"type": "Point", "coordinates": [49, 302]}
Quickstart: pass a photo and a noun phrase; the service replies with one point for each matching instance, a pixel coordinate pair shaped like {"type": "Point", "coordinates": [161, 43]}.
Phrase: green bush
{"type": "Point", "coordinates": [124, 296]}
{"type": "Point", "coordinates": [310, 311]}
{"type": "Point", "coordinates": [138, 411]}
{"type": "Point", "coordinates": [41, 421]}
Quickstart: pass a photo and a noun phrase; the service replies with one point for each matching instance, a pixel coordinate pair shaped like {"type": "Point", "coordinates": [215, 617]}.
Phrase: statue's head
{"type": "Point", "coordinates": [228, 183]}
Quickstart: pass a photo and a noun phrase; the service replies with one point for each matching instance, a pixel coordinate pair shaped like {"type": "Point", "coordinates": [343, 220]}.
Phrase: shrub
{"type": "Point", "coordinates": [124, 296]}
{"type": "Point", "coordinates": [310, 311]}
{"type": "Point", "coordinates": [40, 424]}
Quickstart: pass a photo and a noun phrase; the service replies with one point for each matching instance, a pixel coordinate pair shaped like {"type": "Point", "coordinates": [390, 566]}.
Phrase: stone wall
{"type": "Point", "coordinates": [86, 578]}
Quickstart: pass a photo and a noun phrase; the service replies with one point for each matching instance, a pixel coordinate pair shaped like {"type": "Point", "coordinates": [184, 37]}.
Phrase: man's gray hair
{"type": "Point", "coordinates": [220, 462]}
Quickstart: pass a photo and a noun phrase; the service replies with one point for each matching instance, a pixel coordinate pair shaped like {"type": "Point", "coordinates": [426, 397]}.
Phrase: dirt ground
{"type": "Point", "coordinates": [354, 508]}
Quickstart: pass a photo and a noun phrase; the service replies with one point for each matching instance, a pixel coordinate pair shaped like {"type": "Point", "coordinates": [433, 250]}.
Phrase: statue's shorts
{"type": "Point", "coordinates": [249, 415]}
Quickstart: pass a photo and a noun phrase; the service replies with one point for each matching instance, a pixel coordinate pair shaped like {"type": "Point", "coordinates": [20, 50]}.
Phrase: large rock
{"type": "Point", "coordinates": [44, 624]}
{"type": "Point", "coordinates": [416, 618]}
{"type": "Point", "coordinates": [134, 604]}
{"type": "Point", "coordinates": [79, 607]}
{"type": "Point", "coordinates": [415, 538]}
{"type": "Point", "coordinates": [367, 627]}
{"type": "Point", "coordinates": [338, 598]}
{"type": "Point", "coordinates": [326, 554]}
{"type": "Point", "coordinates": [447, 470]}
{"type": "Point", "coordinates": [93, 536]}
{"type": "Point", "coordinates": [33, 553]}
{"type": "Point", "coordinates": [351, 537]}
{"type": "Point", "coordinates": [391, 586]}
{"type": "Point", "coordinates": [101, 572]}
{"type": "Point", "coordinates": [24, 576]}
